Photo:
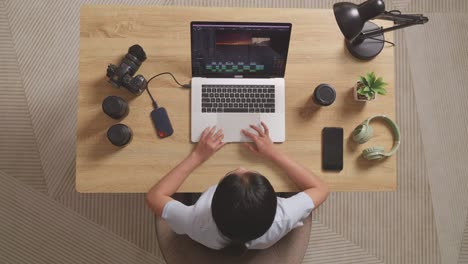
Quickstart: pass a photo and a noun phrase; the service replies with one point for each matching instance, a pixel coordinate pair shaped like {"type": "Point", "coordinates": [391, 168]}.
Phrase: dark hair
{"type": "Point", "coordinates": [243, 208]}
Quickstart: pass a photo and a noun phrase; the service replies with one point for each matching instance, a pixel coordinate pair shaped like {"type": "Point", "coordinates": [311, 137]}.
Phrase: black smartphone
{"type": "Point", "coordinates": [332, 148]}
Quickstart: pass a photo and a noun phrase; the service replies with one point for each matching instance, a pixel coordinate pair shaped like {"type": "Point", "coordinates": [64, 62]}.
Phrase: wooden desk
{"type": "Point", "coordinates": [316, 55]}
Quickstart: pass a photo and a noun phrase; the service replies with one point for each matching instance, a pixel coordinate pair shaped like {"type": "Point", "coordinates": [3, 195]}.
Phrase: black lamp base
{"type": "Point", "coordinates": [368, 48]}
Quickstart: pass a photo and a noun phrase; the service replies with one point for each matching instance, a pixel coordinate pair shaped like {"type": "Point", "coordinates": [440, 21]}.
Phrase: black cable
{"type": "Point", "coordinates": [155, 105]}
{"type": "Point", "coordinates": [162, 73]}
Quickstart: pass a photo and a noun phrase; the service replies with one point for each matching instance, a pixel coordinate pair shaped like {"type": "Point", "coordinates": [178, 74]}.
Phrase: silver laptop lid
{"type": "Point", "coordinates": [239, 49]}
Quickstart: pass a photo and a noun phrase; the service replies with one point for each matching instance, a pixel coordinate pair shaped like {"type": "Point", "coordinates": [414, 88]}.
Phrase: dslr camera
{"type": "Point", "coordinates": [122, 75]}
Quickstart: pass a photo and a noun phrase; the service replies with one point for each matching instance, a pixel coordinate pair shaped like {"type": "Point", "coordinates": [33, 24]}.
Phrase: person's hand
{"type": "Point", "coordinates": [209, 143]}
{"type": "Point", "coordinates": [263, 146]}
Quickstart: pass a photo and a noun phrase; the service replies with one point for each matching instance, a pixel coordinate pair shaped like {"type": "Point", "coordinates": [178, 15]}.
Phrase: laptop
{"type": "Point", "coordinates": [238, 77]}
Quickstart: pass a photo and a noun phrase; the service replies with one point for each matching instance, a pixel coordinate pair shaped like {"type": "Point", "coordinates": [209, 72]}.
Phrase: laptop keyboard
{"type": "Point", "coordinates": [238, 98]}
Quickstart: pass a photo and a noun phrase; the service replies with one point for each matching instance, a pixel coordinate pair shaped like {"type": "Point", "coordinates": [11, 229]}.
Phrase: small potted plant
{"type": "Point", "coordinates": [366, 88]}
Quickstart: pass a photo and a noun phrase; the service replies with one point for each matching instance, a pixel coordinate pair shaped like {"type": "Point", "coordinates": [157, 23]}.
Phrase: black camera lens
{"type": "Point", "coordinates": [119, 135]}
{"type": "Point", "coordinates": [324, 95]}
{"type": "Point", "coordinates": [115, 107]}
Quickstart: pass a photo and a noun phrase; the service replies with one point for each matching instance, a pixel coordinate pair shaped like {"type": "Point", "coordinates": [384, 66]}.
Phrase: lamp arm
{"type": "Point", "coordinates": [401, 21]}
{"type": "Point", "coordinates": [399, 18]}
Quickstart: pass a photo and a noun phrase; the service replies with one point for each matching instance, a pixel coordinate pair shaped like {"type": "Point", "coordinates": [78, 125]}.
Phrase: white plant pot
{"type": "Point", "coordinates": [358, 97]}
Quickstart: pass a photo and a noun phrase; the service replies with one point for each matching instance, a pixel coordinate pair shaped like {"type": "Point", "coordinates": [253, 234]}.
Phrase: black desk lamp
{"type": "Point", "coordinates": [365, 39]}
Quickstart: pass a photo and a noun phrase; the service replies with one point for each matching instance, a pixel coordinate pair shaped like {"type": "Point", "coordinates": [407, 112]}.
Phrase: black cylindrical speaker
{"type": "Point", "coordinates": [324, 95]}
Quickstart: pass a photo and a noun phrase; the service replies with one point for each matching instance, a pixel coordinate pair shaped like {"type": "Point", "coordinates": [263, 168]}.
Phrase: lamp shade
{"type": "Point", "coordinates": [351, 17]}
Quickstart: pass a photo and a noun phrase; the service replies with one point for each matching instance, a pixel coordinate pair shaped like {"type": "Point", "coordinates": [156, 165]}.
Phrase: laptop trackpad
{"type": "Point", "coordinates": [233, 123]}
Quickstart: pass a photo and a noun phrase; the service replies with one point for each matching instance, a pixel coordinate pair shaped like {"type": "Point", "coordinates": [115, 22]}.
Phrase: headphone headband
{"type": "Point", "coordinates": [395, 131]}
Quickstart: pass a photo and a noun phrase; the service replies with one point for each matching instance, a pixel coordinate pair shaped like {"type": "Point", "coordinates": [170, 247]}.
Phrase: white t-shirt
{"type": "Point", "coordinates": [197, 222]}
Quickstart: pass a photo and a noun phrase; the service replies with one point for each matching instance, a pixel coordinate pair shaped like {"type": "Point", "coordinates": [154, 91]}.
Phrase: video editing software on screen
{"type": "Point", "coordinates": [249, 50]}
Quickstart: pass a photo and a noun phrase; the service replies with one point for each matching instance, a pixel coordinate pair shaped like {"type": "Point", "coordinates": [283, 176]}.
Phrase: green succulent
{"type": "Point", "coordinates": [371, 85]}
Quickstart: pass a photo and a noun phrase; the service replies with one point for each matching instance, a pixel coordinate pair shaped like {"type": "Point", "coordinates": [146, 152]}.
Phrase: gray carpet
{"type": "Point", "coordinates": [36, 229]}
{"type": "Point", "coordinates": [463, 257]}
{"type": "Point", "coordinates": [441, 94]}
{"type": "Point", "coordinates": [327, 246]}
{"type": "Point", "coordinates": [39, 47]}
{"type": "Point", "coordinates": [19, 154]}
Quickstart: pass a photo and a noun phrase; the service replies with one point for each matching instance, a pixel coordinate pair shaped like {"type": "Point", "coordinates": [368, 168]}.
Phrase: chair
{"type": "Point", "coordinates": [180, 249]}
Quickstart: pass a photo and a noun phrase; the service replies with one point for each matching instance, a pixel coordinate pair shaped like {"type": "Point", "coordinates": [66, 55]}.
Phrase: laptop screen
{"type": "Point", "coordinates": [248, 50]}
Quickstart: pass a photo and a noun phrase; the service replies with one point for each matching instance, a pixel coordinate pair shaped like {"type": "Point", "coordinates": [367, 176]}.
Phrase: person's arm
{"type": "Point", "coordinates": [161, 192]}
{"type": "Point", "coordinates": [302, 177]}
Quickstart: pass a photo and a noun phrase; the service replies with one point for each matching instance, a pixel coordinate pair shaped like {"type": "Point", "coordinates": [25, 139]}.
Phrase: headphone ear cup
{"type": "Point", "coordinates": [373, 153]}
{"type": "Point", "coordinates": [362, 133]}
